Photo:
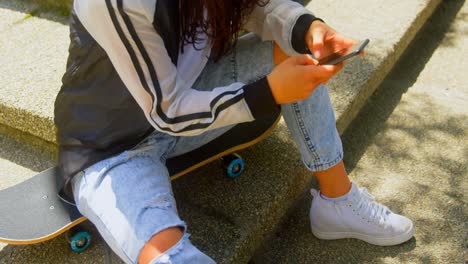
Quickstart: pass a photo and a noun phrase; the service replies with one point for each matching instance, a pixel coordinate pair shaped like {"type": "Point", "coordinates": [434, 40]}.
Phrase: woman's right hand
{"type": "Point", "coordinates": [296, 78]}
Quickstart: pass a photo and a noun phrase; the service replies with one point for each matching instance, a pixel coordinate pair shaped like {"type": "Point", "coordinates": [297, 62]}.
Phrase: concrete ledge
{"type": "Point", "coordinates": [33, 52]}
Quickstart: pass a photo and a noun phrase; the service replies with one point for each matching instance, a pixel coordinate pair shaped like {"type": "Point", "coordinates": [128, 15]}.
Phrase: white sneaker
{"type": "Point", "coordinates": [358, 215]}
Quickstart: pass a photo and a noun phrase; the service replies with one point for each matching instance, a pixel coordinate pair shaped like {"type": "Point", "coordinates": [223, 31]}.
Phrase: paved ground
{"type": "Point", "coordinates": [409, 147]}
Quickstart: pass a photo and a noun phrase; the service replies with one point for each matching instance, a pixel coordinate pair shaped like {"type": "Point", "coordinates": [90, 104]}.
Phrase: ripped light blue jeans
{"type": "Point", "coordinates": [129, 198]}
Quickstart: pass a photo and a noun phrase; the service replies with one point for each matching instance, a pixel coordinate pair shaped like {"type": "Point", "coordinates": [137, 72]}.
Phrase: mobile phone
{"type": "Point", "coordinates": [344, 54]}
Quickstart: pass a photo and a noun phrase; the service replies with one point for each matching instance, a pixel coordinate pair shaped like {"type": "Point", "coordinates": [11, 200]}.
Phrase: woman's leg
{"type": "Point", "coordinates": [327, 166]}
{"type": "Point", "coordinates": [341, 209]}
{"type": "Point", "coordinates": [129, 199]}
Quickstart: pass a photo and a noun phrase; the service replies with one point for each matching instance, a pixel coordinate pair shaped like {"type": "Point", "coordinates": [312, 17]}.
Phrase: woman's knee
{"type": "Point", "coordinates": [171, 246]}
{"type": "Point", "coordinates": [159, 244]}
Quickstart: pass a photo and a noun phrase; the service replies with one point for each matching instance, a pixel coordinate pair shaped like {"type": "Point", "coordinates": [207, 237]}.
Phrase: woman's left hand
{"type": "Point", "coordinates": [323, 40]}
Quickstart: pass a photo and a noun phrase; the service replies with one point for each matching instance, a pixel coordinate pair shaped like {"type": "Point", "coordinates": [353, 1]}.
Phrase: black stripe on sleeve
{"type": "Point", "coordinates": [157, 88]}
{"type": "Point", "coordinates": [260, 99]}
{"type": "Point", "coordinates": [299, 32]}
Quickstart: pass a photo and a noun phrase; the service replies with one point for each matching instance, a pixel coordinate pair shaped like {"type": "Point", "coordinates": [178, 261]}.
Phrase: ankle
{"type": "Point", "coordinates": [334, 182]}
{"type": "Point", "coordinates": [337, 190]}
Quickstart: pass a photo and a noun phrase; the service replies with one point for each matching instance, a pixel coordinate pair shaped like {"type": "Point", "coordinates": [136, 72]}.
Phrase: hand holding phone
{"type": "Point", "coordinates": [343, 54]}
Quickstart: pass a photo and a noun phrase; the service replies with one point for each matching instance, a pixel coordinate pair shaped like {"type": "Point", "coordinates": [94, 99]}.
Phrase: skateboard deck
{"type": "Point", "coordinates": [32, 211]}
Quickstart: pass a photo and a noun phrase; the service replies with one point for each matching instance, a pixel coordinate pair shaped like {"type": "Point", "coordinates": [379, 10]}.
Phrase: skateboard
{"type": "Point", "coordinates": [32, 211]}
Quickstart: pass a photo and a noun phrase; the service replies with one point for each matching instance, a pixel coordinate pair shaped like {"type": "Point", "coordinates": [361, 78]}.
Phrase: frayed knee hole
{"type": "Point", "coordinates": [163, 243]}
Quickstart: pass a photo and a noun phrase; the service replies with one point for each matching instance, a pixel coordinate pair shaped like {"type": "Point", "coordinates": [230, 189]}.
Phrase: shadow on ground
{"type": "Point", "coordinates": [406, 72]}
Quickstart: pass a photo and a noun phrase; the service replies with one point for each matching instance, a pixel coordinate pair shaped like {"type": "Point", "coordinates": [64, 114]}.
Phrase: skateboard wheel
{"type": "Point", "coordinates": [234, 165]}
{"type": "Point", "coordinates": [80, 241]}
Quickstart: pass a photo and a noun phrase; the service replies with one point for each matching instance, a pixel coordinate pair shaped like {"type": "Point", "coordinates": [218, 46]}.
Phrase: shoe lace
{"type": "Point", "coordinates": [370, 209]}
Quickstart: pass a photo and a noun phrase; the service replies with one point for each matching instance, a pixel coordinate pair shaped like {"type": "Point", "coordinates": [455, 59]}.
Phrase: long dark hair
{"type": "Point", "coordinates": [222, 24]}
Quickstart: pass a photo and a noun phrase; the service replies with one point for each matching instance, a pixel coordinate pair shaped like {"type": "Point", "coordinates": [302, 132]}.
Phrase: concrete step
{"type": "Point", "coordinates": [33, 53]}
{"type": "Point", "coordinates": [394, 150]}
{"type": "Point", "coordinates": [228, 219]}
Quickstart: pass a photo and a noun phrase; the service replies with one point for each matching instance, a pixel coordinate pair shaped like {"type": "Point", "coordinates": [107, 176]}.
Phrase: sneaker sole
{"type": "Point", "coordinates": [384, 241]}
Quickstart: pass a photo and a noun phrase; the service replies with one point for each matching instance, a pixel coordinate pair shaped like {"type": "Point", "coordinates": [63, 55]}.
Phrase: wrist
{"type": "Point", "coordinates": [300, 30]}
{"type": "Point", "coordinates": [272, 84]}
{"type": "Point", "coordinates": [259, 98]}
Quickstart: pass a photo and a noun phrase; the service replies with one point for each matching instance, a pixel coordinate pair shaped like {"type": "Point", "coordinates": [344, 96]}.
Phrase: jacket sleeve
{"type": "Point", "coordinates": [283, 21]}
{"type": "Point", "coordinates": [124, 29]}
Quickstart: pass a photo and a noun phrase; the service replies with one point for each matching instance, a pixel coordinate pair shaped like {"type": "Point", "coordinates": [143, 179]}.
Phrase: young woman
{"type": "Point", "coordinates": [151, 79]}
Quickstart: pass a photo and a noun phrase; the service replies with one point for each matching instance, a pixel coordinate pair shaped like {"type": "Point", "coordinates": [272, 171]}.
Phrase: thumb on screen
{"type": "Point", "coordinates": [306, 59]}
